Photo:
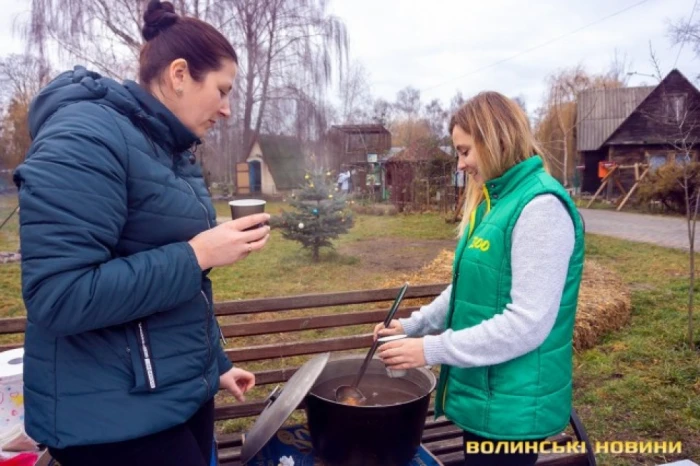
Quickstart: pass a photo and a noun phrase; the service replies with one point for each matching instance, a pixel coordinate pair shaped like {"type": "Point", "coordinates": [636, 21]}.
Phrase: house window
{"type": "Point", "coordinates": [675, 107]}
{"type": "Point", "coordinates": [657, 160]}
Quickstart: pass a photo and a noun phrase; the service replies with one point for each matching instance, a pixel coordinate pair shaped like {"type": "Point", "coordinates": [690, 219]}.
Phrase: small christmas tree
{"type": "Point", "coordinates": [320, 213]}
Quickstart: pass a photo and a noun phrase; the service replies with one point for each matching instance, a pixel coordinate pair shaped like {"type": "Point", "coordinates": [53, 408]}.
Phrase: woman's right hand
{"type": "Point", "coordinates": [395, 328]}
{"type": "Point", "coordinates": [228, 242]}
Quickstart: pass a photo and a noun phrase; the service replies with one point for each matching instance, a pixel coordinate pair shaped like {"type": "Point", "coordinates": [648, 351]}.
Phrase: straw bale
{"type": "Point", "coordinates": [603, 305]}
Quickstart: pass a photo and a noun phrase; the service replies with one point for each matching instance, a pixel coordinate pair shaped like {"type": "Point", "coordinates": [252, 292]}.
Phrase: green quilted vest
{"type": "Point", "coordinates": [528, 397]}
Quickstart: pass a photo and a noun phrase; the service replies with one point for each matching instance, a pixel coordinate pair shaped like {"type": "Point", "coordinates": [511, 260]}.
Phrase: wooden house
{"type": "Point", "coordinates": [356, 145]}
{"type": "Point", "coordinates": [637, 125]}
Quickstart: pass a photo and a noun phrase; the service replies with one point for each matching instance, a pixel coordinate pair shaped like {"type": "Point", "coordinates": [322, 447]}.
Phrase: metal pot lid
{"type": "Point", "coordinates": [280, 405]}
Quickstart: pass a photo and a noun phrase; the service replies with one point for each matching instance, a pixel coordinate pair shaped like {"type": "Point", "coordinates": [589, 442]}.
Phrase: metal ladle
{"type": "Point", "coordinates": [350, 394]}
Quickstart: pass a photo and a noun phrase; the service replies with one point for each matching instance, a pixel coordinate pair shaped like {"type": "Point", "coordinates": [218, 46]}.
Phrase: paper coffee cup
{"type": "Point", "coordinates": [393, 373]}
{"type": "Point", "coordinates": [245, 207]}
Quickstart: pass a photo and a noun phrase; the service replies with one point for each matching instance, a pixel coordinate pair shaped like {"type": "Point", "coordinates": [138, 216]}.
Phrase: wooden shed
{"type": "Point", "coordinates": [275, 163]}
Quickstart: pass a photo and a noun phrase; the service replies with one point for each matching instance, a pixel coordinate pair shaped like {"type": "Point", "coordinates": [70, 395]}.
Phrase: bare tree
{"type": "Point", "coordinates": [678, 116]}
{"type": "Point", "coordinates": [456, 102]}
{"type": "Point", "coordinates": [404, 132]}
{"type": "Point", "coordinates": [354, 94]}
{"type": "Point", "coordinates": [14, 137]}
{"type": "Point", "coordinates": [288, 49]}
{"type": "Point", "coordinates": [565, 88]}
{"type": "Point", "coordinates": [408, 103]}
{"type": "Point", "coordinates": [21, 77]}
{"type": "Point", "coordinates": [382, 112]}
{"type": "Point", "coordinates": [618, 74]}
{"type": "Point", "coordinates": [436, 117]}
{"type": "Point", "coordinates": [20, 81]}
{"type": "Point", "coordinates": [687, 30]}
{"type": "Point", "coordinates": [407, 125]}
{"type": "Point", "coordinates": [556, 121]}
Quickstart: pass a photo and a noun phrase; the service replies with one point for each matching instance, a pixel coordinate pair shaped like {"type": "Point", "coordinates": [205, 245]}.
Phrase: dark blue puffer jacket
{"type": "Point", "coordinates": [121, 338]}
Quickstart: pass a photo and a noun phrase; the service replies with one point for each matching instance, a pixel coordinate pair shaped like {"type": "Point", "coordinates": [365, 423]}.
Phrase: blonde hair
{"type": "Point", "coordinates": [502, 138]}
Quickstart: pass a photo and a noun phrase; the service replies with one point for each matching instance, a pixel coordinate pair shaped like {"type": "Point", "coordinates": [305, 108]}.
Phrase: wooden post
{"type": "Point", "coordinates": [605, 182]}
{"type": "Point", "coordinates": [629, 194]}
{"type": "Point", "coordinates": [609, 193]}
{"type": "Point", "coordinates": [619, 185]}
{"type": "Point", "coordinates": [427, 193]}
{"type": "Point", "coordinates": [460, 202]}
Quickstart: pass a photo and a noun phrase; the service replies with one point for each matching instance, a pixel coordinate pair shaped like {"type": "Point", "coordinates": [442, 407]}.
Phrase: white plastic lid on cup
{"type": "Point", "coordinates": [391, 338]}
{"type": "Point", "coordinates": [246, 202]}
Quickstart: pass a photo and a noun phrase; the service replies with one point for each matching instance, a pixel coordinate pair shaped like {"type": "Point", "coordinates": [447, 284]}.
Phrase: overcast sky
{"type": "Point", "coordinates": [442, 46]}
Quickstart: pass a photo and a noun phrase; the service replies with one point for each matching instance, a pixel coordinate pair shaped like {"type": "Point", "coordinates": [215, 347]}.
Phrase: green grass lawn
{"type": "Point", "coordinates": [639, 384]}
{"type": "Point", "coordinates": [643, 383]}
{"type": "Point", "coordinates": [9, 239]}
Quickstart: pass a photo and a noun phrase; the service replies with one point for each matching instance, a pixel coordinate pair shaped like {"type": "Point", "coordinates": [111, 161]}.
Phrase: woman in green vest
{"type": "Point", "coordinates": [502, 331]}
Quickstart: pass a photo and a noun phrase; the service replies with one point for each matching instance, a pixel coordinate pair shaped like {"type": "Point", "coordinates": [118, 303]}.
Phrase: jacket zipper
{"type": "Point", "coordinates": [206, 215]}
{"type": "Point", "coordinates": [472, 225]}
{"type": "Point", "coordinates": [204, 295]}
{"type": "Point", "coordinates": [447, 370]}
{"type": "Point", "coordinates": [208, 317]}
{"type": "Point", "coordinates": [221, 332]}
{"type": "Point", "coordinates": [146, 356]}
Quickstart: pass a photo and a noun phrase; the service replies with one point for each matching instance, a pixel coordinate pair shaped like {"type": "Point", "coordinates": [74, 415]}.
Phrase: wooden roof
{"type": "Point", "coordinates": [353, 129]}
{"type": "Point", "coordinates": [601, 111]}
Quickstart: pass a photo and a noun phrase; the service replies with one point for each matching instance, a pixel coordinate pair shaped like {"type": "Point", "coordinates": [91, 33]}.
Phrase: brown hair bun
{"type": "Point", "coordinates": [158, 17]}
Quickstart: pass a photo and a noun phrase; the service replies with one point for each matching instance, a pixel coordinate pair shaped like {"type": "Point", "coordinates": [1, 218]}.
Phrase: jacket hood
{"type": "Point", "coordinates": [129, 99]}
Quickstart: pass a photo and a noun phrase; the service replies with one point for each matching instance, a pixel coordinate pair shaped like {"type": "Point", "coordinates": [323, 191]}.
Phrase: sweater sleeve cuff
{"type": "Point", "coordinates": [434, 350]}
{"type": "Point", "coordinates": [411, 327]}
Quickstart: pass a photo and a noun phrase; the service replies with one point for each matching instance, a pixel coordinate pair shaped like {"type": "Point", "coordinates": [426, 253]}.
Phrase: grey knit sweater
{"type": "Point", "coordinates": [539, 274]}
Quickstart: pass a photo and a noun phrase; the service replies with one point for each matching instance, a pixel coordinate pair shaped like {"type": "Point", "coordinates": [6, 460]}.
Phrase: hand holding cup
{"type": "Point", "coordinates": [231, 241]}
{"type": "Point", "coordinates": [245, 207]}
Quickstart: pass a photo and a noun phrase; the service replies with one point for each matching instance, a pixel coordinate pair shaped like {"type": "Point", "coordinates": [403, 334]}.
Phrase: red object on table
{"type": "Point", "coordinates": [23, 459]}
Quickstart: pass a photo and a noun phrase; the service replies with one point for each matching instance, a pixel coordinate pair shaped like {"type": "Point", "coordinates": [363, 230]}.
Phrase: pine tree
{"type": "Point", "coordinates": [320, 214]}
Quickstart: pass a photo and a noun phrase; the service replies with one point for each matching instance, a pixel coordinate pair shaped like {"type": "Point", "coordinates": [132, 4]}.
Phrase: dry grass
{"type": "Point", "coordinates": [603, 305]}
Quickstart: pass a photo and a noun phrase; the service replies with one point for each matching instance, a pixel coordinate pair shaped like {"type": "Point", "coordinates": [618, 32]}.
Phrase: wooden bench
{"type": "Point", "coordinates": [319, 323]}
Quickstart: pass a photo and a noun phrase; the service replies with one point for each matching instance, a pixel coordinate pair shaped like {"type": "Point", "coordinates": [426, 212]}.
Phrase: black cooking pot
{"type": "Point", "coordinates": [386, 435]}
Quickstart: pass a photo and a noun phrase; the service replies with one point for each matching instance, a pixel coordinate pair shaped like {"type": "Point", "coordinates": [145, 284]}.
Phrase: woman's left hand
{"type": "Point", "coordinates": [237, 382]}
{"type": "Point", "coordinates": [403, 354]}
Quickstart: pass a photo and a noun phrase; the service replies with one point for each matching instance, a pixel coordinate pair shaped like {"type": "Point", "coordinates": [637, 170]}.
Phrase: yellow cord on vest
{"type": "Point", "coordinates": [472, 215]}
{"type": "Point", "coordinates": [472, 221]}
{"type": "Point", "coordinates": [488, 198]}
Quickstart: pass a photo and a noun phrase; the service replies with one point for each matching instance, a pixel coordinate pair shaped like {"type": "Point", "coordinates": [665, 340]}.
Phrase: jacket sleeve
{"type": "Point", "coordinates": [429, 319]}
{"type": "Point", "coordinates": [224, 362]}
{"type": "Point", "coordinates": [73, 206]}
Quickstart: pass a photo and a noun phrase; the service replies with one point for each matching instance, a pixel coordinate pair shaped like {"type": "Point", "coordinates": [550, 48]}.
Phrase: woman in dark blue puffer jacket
{"type": "Point", "coordinates": [122, 353]}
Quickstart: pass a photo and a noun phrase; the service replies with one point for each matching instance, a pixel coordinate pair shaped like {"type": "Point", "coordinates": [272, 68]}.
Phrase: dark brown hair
{"type": "Point", "coordinates": [170, 36]}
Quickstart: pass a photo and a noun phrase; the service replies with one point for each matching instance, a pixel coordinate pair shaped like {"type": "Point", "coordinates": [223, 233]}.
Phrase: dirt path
{"type": "Point", "coordinates": [395, 254]}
